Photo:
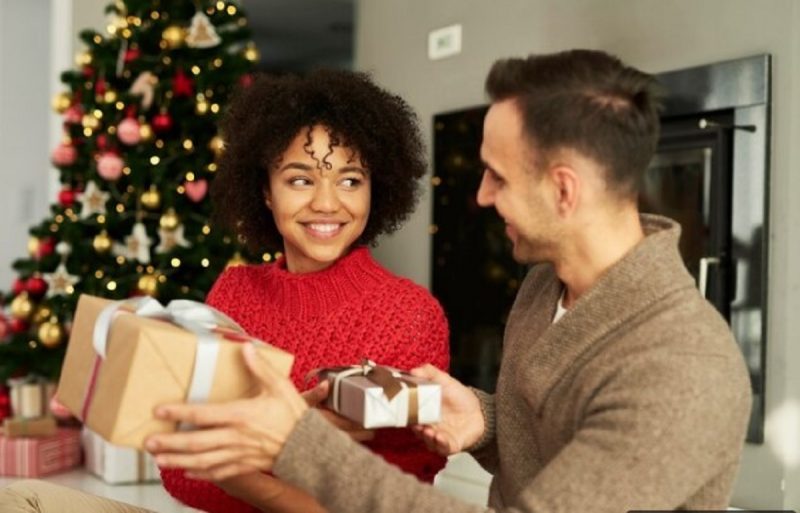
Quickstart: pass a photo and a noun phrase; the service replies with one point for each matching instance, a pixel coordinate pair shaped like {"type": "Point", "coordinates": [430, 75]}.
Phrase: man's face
{"type": "Point", "coordinates": [521, 194]}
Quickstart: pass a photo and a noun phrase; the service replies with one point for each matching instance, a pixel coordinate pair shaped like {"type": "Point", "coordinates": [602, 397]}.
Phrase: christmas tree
{"type": "Point", "coordinates": [138, 154]}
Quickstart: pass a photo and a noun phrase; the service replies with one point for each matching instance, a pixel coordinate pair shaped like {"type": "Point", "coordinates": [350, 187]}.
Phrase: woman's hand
{"type": "Point", "coordinates": [239, 437]}
{"type": "Point", "coordinates": [462, 423]}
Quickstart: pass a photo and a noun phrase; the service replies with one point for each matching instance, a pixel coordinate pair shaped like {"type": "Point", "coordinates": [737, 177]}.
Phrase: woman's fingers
{"type": "Point", "coordinates": [199, 414]}
{"type": "Point", "coordinates": [208, 460]}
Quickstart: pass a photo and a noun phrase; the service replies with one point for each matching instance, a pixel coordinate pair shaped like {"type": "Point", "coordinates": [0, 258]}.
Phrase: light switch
{"type": "Point", "coordinates": [444, 42]}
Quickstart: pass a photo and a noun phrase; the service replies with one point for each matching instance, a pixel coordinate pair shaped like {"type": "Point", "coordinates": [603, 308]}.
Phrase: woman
{"type": "Point", "coordinates": [319, 167]}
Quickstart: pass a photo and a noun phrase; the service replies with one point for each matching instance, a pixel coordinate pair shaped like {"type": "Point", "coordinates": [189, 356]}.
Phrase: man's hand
{"type": "Point", "coordinates": [462, 423]}
{"type": "Point", "coordinates": [240, 437]}
{"type": "Point", "coordinates": [315, 396]}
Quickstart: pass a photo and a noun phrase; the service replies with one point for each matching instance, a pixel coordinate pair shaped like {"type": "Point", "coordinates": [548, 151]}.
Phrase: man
{"type": "Point", "coordinates": [620, 387]}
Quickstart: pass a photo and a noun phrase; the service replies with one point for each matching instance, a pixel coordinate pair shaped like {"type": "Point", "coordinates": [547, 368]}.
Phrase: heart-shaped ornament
{"type": "Point", "coordinates": [196, 190]}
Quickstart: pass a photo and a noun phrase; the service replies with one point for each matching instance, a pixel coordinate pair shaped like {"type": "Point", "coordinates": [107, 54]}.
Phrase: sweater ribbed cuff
{"type": "Point", "coordinates": [487, 409]}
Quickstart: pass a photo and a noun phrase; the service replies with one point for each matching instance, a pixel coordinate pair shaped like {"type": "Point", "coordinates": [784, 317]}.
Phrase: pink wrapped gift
{"type": "Point", "coordinates": [36, 457]}
{"type": "Point", "coordinates": [377, 396]}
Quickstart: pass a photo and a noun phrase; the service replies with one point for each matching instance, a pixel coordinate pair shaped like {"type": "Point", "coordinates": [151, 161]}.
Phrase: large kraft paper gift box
{"type": "Point", "coordinates": [380, 397]}
{"type": "Point", "coordinates": [126, 358]}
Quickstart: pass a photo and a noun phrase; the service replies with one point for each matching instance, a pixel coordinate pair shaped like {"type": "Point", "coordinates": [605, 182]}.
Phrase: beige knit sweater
{"type": "Point", "coordinates": [637, 398]}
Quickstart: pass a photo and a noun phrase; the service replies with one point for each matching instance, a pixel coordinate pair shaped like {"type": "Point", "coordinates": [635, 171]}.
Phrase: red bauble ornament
{"type": "Point", "coordinates": [66, 197]}
{"type": "Point", "coordinates": [64, 155]}
{"type": "Point", "coordinates": [182, 85]}
{"type": "Point", "coordinates": [100, 86]}
{"type": "Point", "coordinates": [5, 403]}
{"type": "Point", "coordinates": [73, 115]}
{"type": "Point", "coordinates": [246, 80]}
{"type": "Point", "coordinates": [18, 287]}
{"type": "Point", "coordinates": [46, 247]}
{"type": "Point", "coordinates": [18, 326]}
{"type": "Point", "coordinates": [162, 123]}
{"type": "Point", "coordinates": [36, 286]}
{"type": "Point", "coordinates": [102, 142]}
{"type": "Point", "coordinates": [87, 71]}
{"type": "Point", "coordinates": [132, 54]}
{"type": "Point", "coordinates": [109, 166]}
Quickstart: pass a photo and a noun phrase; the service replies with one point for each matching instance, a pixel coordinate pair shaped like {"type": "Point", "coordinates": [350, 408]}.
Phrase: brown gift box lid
{"type": "Point", "coordinates": [149, 362]}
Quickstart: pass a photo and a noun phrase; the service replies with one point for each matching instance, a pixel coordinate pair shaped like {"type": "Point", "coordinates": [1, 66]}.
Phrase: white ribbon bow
{"type": "Point", "coordinates": [194, 316]}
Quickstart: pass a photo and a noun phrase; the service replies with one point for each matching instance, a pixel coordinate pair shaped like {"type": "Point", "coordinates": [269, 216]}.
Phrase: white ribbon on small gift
{"type": "Point", "coordinates": [193, 316]}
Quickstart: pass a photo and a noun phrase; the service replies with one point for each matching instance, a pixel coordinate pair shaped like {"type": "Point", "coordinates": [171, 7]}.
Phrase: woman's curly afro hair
{"type": "Point", "coordinates": [265, 117]}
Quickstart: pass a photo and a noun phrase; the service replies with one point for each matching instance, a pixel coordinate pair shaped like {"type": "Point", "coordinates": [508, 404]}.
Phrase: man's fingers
{"type": "Point", "coordinates": [193, 441]}
{"type": "Point", "coordinates": [222, 472]}
{"type": "Point", "coordinates": [199, 414]}
{"type": "Point", "coordinates": [201, 461]}
{"type": "Point", "coordinates": [270, 379]}
{"type": "Point", "coordinates": [316, 395]}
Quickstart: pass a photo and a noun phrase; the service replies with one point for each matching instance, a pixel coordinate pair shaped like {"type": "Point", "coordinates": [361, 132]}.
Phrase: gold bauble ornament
{"type": "Point", "coordinates": [251, 53]}
{"type": "Point", "coordinates": [235, 260]}
{"type": "Point", "coordinates": [174, 36]}
{"type": "Point", "coordinates": [148, 284]}
{"type": "Point", "coordinates": [110, 96]}
{"type": "Point", "coordinates": [216, 145]}
{"type": "Point", "coordinates": [169, 221]}
{"type": "Point", "coordinates": [22, 307]}
{"type": "Point", "coordinates": [33, 246]}
{"type": "Point", "coordinates": [42, 314]}
{"type": "Point", "coordinates": [89, 121]}
{"type": "Point", "coordinates": [151, 198]}
{"type": "Point", "coordinates": [101, 242]}
{"type": "Point", "coordinates": [145, 132]}
{"type": "Point", "coordinates": [201, 107]}
{"type": "Point", "coordinates": [84, 58]}
{"type": "Point", "coordinates": [51, 333]}
{"type": "Point", "coordinates": [61, 102]}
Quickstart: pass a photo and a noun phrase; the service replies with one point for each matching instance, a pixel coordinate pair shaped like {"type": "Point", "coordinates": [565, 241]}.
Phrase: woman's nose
{"type": "Point", "coordinates": [325, 198]}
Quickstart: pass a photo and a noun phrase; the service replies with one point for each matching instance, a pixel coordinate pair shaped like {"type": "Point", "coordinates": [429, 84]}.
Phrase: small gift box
{"type": "Point", "coordinates": [36, 457]}
{"type": "Point", "coordinates": [30, 396]}
{"type": "Point", "coordinates": [18, 427]}
{"type": "Point", "coordinates": [377, 396]}
{"type": "Point", "coordinates": [114, 464]}
{"type": "Point", "coordinates": [124, 358]}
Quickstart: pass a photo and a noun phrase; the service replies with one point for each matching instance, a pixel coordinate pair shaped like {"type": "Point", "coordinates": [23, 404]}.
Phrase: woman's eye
{"type": "Point", "coordinates": [299, 181]}
{"type": "Point", "coordinates": [351, 183]}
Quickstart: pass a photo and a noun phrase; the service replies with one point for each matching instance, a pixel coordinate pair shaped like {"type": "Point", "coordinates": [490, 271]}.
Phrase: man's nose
{"type": "Point", "coordinates": [485, 195]}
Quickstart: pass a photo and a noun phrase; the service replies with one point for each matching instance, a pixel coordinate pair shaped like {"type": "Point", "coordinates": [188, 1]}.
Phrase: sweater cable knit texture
{"type": "Point", "coordinates": [351, 310]}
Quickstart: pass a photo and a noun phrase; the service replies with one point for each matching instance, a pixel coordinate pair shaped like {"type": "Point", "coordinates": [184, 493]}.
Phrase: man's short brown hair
{"type": "Point", "coordinates": [585, 100]}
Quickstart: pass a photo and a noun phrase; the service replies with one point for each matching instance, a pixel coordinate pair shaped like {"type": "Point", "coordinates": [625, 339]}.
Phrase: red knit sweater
{"type": "Point", "coordinates": [353, 309]}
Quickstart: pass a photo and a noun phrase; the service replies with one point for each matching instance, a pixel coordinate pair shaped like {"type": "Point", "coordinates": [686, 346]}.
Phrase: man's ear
{"type": "Point", "coordinates": [567, 189]}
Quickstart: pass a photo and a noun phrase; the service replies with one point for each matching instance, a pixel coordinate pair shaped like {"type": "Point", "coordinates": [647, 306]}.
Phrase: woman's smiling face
{"type": "Point", "coordinates": [319, 195]}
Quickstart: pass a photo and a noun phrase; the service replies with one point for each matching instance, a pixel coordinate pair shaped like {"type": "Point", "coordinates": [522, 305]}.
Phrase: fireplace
{"type": "Point", "coordinates": [710, 173]}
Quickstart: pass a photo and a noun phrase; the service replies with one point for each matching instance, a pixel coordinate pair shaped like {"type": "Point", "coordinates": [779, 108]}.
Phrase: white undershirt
{"type": "Point", "coordinates": [560, 310]}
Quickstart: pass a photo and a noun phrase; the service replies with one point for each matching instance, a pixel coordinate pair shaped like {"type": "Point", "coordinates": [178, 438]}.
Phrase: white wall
{"type": "Point", "coordinates": [24, 112]}
{"type": "Point", "coordinates": [654, 35]}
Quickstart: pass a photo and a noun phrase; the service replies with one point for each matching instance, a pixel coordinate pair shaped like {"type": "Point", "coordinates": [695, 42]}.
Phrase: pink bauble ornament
{"type": "Point", "coordinates": [196, 190]}
{"type": "Point", "coordinates": [109, 166]}
{"type": "Point", "coordinates": [128, 132]}
{"type": "Point", "coordinates": [64, 155]}
{"type": "Point", "coordinates": [73, 115]}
